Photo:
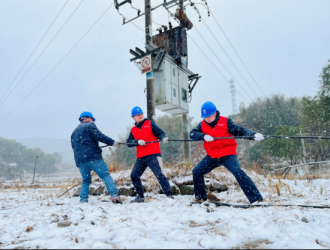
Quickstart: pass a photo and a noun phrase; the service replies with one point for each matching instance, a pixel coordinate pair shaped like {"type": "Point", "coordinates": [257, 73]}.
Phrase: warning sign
{"type": "Point", "coordinates": [146, 64]}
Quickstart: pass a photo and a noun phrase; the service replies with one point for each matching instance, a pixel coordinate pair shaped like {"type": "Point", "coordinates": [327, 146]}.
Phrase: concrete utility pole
{"type": "Point", "coordinates": [233, 96]}
{"type": "Point", "coordinates": [185, 122]}
{"type": "Point", "coordinates": [150, 79]}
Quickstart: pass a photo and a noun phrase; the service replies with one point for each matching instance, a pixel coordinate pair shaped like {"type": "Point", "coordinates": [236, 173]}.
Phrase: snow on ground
{"type": "Point", "coordinates": [164, 223]}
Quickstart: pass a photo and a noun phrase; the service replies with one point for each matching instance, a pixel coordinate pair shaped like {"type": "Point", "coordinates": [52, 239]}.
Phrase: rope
{"type": "Point", "coordinates": [219, 204]}
{"type": "Point", "coordinates": [68, 190]}
{"type": "Point", "coordinates": [237, 137]}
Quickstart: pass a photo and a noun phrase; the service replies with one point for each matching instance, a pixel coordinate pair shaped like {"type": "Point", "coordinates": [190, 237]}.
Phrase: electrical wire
{"type": "Point", "coordinates": [19, 156]}
{"type": "Point", "coordinates": [211, 61]}
{"type": "Point", "coordinates": [224, 65]}
{"type": "Point", "coordinates": [57, 64]}
{"type": "Point", "coordinates": [137, 26]}
{"type": "Point", "coordinates": [227, 55]}
{"type": "Point", "coordinates": [237, 54]}
{"type": "Point", "coordinates": [41, 53]}
{"type": "Point", "coordinates": [215, 66]}
{"type": "Point", "coordinates": [34, 49]}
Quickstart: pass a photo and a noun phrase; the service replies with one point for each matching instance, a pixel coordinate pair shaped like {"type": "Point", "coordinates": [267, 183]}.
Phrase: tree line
{"type": "Point", "coordinates": [292, 116]}
{"type": "Point", "coordinates": [16, 160]}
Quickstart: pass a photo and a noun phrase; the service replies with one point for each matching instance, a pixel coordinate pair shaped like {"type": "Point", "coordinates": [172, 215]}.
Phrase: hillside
{"type": "Point", "coordinates": [50, 145]}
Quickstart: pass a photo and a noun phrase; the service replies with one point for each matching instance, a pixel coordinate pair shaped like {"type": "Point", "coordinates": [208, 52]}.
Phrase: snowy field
{"type": "Point", "coordinates": [31, 219]}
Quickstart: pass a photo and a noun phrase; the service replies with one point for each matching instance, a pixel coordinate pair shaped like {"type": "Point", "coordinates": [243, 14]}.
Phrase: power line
{"type": "Point", "coordinates": [137, 26]}
{"type": "Point", "coordinates": [57, 64]}
{"type": "Point", "coordinates": [224, 65]}
{"type": "Point", "coordinates": [227, 54]}
{"type": "Point", "coordinates": [41, 53]}
{"type": "Point", "coordinates": [34, 49]}
{"type": "Point", "coordinates": [18, 156]}
{"type": "Point", "coordinates": [237, 54]}
{"type": "Point", "coordinates": [212, 62]}
{"type": "Point", "coordinates": [216, 67]}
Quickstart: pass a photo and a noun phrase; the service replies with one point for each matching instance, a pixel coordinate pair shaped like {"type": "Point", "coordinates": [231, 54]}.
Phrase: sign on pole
{"type": "Point", "coordinates": [146, 64]}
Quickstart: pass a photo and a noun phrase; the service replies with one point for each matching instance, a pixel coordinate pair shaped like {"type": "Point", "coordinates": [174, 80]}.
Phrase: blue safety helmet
{"type": "Point", "coordinates": [136, 111]}
{"type": "Point", "coordinates": [208, 109]}
{"type": "Point", "coordinates": [86, 114]}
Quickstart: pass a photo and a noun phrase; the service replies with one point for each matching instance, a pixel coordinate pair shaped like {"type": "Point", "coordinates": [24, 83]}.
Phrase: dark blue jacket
{"type": "Point", "coordinates": [197, 134]}
{"type": "Point", "coordinates": [160, 134]}
{"type": "Point", "coordinates": [84, 141]}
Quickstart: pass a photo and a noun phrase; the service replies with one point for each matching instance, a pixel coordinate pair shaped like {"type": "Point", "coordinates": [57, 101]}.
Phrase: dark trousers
{"type": "Point", "coordinates": [232, 164]}
{"type": "Point", "coordinates": [141, 165]}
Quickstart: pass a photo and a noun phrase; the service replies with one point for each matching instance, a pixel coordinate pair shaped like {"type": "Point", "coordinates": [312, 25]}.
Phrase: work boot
{"type": "Point", "coordinates": [117, 200]}
{"type": "Point", "coordinates": [138, 199]}
{"type": "Point", "coordinates": [261, 202]}
{"type": "Point", "coordinates": [199, 201]}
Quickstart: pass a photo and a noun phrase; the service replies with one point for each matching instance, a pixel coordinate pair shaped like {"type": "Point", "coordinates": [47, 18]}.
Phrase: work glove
{"type": "Point", "coordinates": [142, 142]}
{"type": "Point", "coordinates": [116, 144]}
{"type": "Point", "coordinates": [165, 140]}
{"type": "Point", "coordinates": [258, 137]}
{"type": "Point", "coordinates": [208, 138]}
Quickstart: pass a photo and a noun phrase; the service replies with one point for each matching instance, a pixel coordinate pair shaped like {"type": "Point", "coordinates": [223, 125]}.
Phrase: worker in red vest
{"type": "Point", "coordinates": [148, 154]}
{"type": "Point", "coordinates": [221, 152]}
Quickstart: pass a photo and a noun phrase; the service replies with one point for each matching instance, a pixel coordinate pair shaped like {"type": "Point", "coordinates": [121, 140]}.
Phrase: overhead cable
{"type": "Point", "coordinates": [57, 64]}
{"type": "Point", "coordinates": [34, 50]}
{"type": "Point", "coordinates": [223, 64]}
{"type": "Point", "coordinates": [227, 55]}
{"type": "Point", "coordinates": [41, 53]}
{"type": "Point", "coordinates": [216, 67]}
{"type": "Point", "coordinates": [237, 54]}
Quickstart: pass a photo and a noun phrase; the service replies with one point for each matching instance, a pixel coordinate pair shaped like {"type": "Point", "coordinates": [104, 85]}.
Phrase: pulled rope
{"type": "Point", "coordinates": [237, 137]}
{"type": "Point", "coordinates": [219, 204]}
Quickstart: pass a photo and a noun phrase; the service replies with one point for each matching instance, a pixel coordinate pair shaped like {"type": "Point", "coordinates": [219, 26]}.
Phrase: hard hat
{"type": "Point", "coordinates": [87, 114]}
{"type": "Point", "coordinates": [136, 111]}
{"type": "Point", "coordinates": [208, 109]}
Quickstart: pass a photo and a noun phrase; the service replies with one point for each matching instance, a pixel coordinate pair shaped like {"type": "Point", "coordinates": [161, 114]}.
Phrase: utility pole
{"type": "Point", "coordinates": [34, 172]}
{"type": "Point", "coordinates": [150, 77]}
{"type": "Point", "coordinates": [185, 122]}
{"type": "Point", "coordinates": [303, 146]}
{"type": "Point", "coordinates": [233, 96]}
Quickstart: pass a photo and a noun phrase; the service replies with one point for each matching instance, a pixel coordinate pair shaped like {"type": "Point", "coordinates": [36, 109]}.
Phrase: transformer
{"type": "Point", "coordinates": [171, 88]}
{"type": "Point", "coordinates": [175, 43]}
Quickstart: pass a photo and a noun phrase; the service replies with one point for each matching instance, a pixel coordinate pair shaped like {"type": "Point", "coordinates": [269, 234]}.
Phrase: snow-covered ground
{"type": "Point", "coordinates": [164, 223]}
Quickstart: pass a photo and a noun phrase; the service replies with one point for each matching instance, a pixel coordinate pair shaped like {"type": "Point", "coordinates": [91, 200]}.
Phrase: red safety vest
{"type": "Point", "coordinates": [219, 148]}
{"type": "Point", "coordinates": [145, 134]}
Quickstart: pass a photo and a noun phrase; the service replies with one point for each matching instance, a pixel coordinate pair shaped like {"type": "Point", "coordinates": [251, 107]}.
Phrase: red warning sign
{"type": "Point", "coordinates": [146, 64]}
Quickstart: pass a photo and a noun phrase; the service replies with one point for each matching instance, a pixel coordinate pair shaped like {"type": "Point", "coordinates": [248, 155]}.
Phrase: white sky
{"type": "Point", "coordinates": [283, 43]}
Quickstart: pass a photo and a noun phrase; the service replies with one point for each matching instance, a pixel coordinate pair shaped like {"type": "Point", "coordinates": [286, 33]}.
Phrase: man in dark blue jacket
{"type": "Point", "coordinates": [221, 151]}
{"type": "Point", "coordinates": [148, 154]}
{"type": "Point", "coordinates": [88, 156]}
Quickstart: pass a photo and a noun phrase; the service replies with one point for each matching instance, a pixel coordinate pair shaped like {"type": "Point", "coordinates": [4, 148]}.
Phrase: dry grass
{"type": "Point", "coordinates": [308, 177]}
{"type": "Point", "coordinates": [113, 162]}
{"type": "Point", "coordinates": [278, 189]}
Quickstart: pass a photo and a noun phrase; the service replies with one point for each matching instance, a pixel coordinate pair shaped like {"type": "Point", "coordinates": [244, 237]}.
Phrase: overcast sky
{"type": "Point", "coordinates": [283, 43]}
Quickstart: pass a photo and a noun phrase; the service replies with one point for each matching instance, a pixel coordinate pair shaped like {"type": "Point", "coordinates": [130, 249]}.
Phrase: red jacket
{"type": "Point", "coordinates": [219, 148]}
{"type": "Point", "coordinates": [145, 134]}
